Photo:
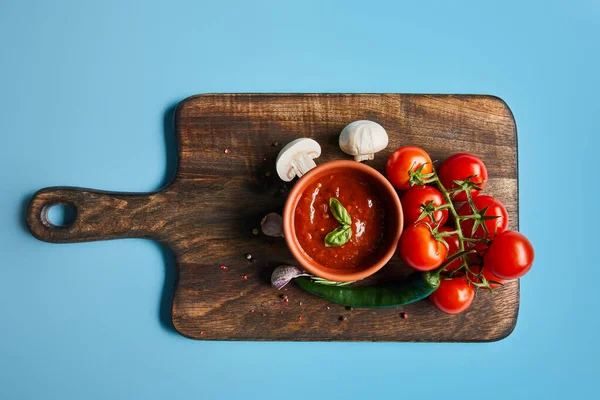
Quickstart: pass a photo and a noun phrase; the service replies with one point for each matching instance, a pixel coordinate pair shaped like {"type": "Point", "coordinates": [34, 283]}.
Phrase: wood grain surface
{"type": "Point", "coordinates": [207, 214]}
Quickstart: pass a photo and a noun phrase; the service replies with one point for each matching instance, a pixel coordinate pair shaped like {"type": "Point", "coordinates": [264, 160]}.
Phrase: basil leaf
{"type": "Point", "coordinates": [338, 236]}
{"type": "Point", "coordinates": [339, 212]}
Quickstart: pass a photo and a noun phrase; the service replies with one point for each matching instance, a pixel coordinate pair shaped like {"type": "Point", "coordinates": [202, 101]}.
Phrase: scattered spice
{"type": "Point", "coordinates": [275, 144]}
{"type": "Point", "coordinates": [244, 277]}
{"type": "Point", "coordinates": [251, 310]}
{"type": "Point", "coordinates": [255, 231]}
{"type": "Point", "coordinates": [264, 315]}
{"type": "Point", "coordinates": [202, 332]}
{"type": "Point", "coordinates": [224, 268]}
{"type": "Point", "coordinates": [404, 315]}
{"type": "Point", "coordinates": [286, 300]}
{"type": "Point", "coordinates": [281, 312]}
{"type": "Point", "coordinates": [343, 318]}
{"type": "Point", "coordinates": [227, 151]}
{"type": "Point", "coordinates": [264, 159]}
{"type": "Point", "coordinates": [249, 256]}
{"type": "Point", "coordinates": [329, 308]}
{"type": "Point", "coordinates": [300, 318]}
{"type": "Point", "coordinates": [299, 303]}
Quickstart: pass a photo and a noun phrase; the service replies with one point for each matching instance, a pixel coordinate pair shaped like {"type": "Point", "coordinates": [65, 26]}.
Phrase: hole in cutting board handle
{"type": "Point", "coordinates": [60, 215]}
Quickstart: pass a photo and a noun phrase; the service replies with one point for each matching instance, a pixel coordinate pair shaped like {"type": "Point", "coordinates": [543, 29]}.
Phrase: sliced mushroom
{"type": "Point", "coordinates": [297, 158]}
{"type": "Point", "coordinates": [362, 139]}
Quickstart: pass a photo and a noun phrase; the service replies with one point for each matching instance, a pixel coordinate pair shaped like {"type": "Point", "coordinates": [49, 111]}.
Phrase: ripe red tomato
{"type": "Point", "coordinates": [453, 248]}
{"type": "Point", "coordinates": [458, 168]}
{"type": "Point", "coordinates": [453, 296]}
{"type": "Point", "coordinates": [510, 256]}
{"type": "Point", "coordinates": [404, 159]}
{"type": "Point", "coordinates": [414, 201]}
{"type": "Point", "coordinates": [419, 249]}
{"type": "Point", "coordinates": [494, 226]}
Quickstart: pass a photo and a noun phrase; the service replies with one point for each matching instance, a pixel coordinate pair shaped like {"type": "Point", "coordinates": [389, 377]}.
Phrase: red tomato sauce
{"type": "Point", "coordinates": [314, 220]}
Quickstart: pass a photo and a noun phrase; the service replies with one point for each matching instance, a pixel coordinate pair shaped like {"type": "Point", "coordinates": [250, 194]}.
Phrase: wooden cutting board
{"type": "Point", "coordinates": [226, 182]}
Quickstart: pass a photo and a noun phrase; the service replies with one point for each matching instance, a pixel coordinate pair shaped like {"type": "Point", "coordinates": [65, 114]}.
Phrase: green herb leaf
{"type": "Point", "coordinates": [339, 212]}
{"type": "Point", "coordinates": [338, 236]}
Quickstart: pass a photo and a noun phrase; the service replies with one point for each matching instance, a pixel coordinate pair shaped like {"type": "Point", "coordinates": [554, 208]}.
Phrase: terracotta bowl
{"type": "Point", "coordinates": [393, 223]}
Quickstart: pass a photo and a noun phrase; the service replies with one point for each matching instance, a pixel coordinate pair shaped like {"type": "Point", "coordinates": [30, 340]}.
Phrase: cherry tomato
{"type": "Point", "coordinates": [509, 256]}
{"type": "Point", "coordinates": [419, 249]}
{"type": "Point", "coordinates": [418, 197]}
{"type": "Point", "coordinates": [453, 248]}
{"type": "Point", "coordinates": [458, 168]}
{"type": "Point", "coordinates": [404, 159]}
{"type": "Point", "coordinates": [453, 296]}
{"type": "Point", "coordinates": [494, 226]}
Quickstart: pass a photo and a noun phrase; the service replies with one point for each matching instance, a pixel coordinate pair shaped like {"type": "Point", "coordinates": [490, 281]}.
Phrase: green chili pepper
{"type": "Point", "coordinates": [415, 287]}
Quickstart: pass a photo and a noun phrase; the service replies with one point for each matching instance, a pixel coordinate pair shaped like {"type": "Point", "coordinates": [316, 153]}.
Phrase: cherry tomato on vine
{"type": "Point", "coordinates": [458, 168]}
{"type": "Point", "coordinates": [453, 248]}
{"type": "Point", "coordinates": [420, 198]}
{"type": "Point", "coordinates": [494, 226]}
{"type": "Point", "coordinates": [404, 159]}
{"type": "Point", "coordinates": [510, 256]}
{"type": "Point", "coordinates": [419, 249]}
{"type": "Point", "coordinates": [453, 296]}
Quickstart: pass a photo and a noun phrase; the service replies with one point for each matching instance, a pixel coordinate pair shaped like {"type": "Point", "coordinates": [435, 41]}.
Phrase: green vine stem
{"type": "Point", "coordinates": [462, 239]}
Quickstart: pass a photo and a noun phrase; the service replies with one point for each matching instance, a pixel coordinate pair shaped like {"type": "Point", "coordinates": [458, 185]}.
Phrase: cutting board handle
{"type": "Point", "coordinates": [99, 215]}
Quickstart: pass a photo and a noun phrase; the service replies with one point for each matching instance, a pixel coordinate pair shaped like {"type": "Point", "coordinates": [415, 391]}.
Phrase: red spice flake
{"type": "Point", "coordinates": [300, 318]}
{"type": "Point", "coordinates": [329, 308]}
{"type": "Point", "coordinates": [202, 332]}
{"type": "Point", "coordinates": [227, 151]}
{"type": "Point", "coordinates": [224, 268]}
{"type": "Point", "coordinates": [251, 310]}
{"type": "Point", "coordinates": [281, 312]}
{"type": "Point", "coordinates": [285, 298]}
{"type": "Point", "coordinates": [300, 303]}
{"type": "Point", "coordinates": [404, 315]}
{"type": "Point", "coordinates": [244, 277]}
{"type": "Point", "coordinates": [264, 315]}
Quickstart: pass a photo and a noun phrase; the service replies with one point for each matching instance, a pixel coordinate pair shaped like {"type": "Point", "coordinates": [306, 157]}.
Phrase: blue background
{"type": "Point", "coordinates": [85, 88]}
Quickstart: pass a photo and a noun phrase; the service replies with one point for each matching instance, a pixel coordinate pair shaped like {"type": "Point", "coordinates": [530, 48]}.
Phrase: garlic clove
{"type": "Point", "coordinates": [284, 274]}
{"type": "Point", "coordinates": [272, 225]}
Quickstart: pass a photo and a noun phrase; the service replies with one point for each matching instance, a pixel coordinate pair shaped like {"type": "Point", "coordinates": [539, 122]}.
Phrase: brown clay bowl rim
{"type": "Point", "coordinates": [341, 275]}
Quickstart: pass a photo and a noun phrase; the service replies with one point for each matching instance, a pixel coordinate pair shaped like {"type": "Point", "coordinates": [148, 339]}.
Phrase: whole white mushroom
{"type": "Point", "coordinates": [362, 139]}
